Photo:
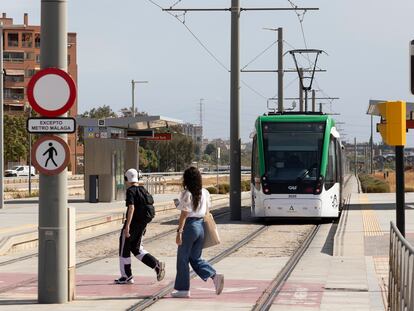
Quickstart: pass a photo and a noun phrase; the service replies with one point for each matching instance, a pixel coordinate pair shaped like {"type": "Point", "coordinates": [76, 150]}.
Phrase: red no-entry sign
{"type": "Point", "coordinates": [51, 92]}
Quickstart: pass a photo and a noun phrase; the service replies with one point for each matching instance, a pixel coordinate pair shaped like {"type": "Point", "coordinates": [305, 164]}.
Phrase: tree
{"type": "Point", "coordinates": [127, 112]}
{"type": "Point", "coordinates": [210, 150]}
{"type": "Point", "coordinates": [147, 159]}
{"type": "Point", "coordinates": [99, 113]}
{"type": "Point", "coordinates": [16, 138]}
{"type": "Point", "coordinates": [176, 154]}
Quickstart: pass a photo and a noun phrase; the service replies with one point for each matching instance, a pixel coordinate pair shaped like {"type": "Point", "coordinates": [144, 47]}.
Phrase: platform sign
{"type": "Point", "coordinates": [51, 92]}
{"type": "Point", "coordinates": [160, 137]}
{"type": "Point", "coordinates": [51, 125]}
{"type": "Point", "coordinates": [140, 133]}
{"type": "Point", "coordinates": [50, 155]}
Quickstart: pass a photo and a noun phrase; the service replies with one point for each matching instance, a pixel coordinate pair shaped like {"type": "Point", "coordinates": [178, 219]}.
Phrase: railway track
{"type": "Point", "coordinates": [216, 213]}
{"type": "Point", "coordinates": [269, 294]}
{"type": "Point", "coordinates": [107, 234]}
{"type": "Point", "coordinates": [145, 303]}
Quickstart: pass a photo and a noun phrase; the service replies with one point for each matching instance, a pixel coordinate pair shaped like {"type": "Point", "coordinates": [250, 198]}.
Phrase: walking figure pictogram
{"type": "Point", "coordinates": [50, 151]}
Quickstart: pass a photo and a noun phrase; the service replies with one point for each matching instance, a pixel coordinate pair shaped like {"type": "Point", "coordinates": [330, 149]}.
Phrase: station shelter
{"type": "Point", "coordinates": [111, 147]}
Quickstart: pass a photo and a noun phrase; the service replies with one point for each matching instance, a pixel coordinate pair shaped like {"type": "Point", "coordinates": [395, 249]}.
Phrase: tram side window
{"type": "Point", "coordinates": [331, 170]}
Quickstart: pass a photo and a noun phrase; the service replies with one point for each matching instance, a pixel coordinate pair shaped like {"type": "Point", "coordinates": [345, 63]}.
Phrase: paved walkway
{"type": "Point", "coordinates": [345, 268]}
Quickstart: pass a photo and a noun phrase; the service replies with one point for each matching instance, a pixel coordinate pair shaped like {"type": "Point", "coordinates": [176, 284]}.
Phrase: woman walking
{"type": "Point", "coordinates": [193, 203]}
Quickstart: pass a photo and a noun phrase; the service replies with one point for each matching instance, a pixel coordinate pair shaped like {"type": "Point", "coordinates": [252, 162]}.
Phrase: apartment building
{"type": "Point", "coordinates": [193, 131]}
{"type": "Point", "coordinates": [21, 59]}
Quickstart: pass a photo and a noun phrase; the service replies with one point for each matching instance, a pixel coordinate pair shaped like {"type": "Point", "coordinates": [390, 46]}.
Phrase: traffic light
{"type": "Point", "coordinates": [393, 122]}
{"type": "Point", "coordinates": [412, 67]}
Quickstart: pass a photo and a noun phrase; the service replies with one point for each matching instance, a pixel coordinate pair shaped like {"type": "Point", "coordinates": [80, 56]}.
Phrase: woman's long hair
{"type": "Point", "coordinates": [192, 182]}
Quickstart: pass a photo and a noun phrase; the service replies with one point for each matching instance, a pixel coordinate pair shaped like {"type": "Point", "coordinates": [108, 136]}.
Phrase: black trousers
{"type": "Point", "coordinates": [133, 245]}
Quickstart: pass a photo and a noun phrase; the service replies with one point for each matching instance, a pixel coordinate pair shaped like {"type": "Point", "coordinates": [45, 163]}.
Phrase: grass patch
{"type": "Point", "coordinates": [212, 190]}
{"type": "Point", "coordinates": [371, 184]}
{"type": "Point", "coordinates": [225, 187]}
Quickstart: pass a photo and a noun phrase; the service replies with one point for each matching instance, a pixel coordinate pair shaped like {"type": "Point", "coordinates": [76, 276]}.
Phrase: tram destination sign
{"type": "Point", "coordinates": [51, 125]}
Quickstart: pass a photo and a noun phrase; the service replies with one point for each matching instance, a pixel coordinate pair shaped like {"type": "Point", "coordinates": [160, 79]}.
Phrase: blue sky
{"type": "Point", "coordinates": [367, 42]}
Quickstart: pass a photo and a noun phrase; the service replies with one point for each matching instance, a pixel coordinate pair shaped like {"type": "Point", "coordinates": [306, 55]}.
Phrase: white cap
{"type": "Point", "coordinates": [131, 175]}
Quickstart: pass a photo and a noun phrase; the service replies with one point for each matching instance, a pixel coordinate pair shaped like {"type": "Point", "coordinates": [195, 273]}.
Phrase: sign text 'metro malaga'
{"type": "Point", "coordinates": [51, 125]}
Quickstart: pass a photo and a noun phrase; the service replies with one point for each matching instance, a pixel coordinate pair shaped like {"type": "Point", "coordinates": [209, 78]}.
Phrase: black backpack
{"type": "Point", "coordinates": [146, 210]}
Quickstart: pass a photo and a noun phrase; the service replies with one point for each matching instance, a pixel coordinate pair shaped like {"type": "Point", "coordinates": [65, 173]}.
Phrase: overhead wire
{"type": "Point", "coordinates": [300, 19]}
{"type": "Point", "coordinates": [177, 17]}
{"type": "Point", "coordinates": [260, 54]}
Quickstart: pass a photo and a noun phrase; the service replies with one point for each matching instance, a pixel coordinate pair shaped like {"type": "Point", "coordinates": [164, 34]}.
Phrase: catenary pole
{"type": "Point", "coordinates": [133, 98]}
{"type": "Point", "coordinates": [235, 169]}
{"type": "Point", "coordinates": [53, 219]}
{"type": "Point", "coordinates": [355, 158]}
{"type": "Point", "coordinates": [300, 90]}
{"type": "Point", "coordinates": [313, 101]}
{"type": "Point", "coordinates": [280, 70]}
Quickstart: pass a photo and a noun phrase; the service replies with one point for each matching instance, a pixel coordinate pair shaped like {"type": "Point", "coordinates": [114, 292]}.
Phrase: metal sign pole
{"type": "Point", "coordinates": [53, 219]}
{"type": "Point", "coordinates": [399, 174]}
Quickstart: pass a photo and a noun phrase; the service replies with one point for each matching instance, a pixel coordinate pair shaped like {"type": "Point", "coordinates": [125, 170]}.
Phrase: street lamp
{"type": "Point", "coordinates": [133, 82]}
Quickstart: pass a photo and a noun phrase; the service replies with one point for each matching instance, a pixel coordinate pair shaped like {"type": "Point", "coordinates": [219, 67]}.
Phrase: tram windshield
{"type": "Point", "coordinates": [293, 151]}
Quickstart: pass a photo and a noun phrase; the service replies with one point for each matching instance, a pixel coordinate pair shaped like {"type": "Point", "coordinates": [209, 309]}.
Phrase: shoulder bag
{"type": "Point", "coordinates": [211, 236]}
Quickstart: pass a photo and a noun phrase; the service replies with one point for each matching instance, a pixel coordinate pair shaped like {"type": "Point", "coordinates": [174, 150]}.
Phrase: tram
{"type": "Point", "coordinates": [297, 166]}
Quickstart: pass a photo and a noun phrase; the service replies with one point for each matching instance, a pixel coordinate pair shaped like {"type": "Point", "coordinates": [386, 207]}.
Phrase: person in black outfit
{"type": "Point", "coordinates": [132, 233]}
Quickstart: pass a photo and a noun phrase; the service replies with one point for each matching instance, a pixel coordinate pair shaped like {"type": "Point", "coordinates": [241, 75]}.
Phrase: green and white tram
{"type": "Point", "coordinates": [297, 166]}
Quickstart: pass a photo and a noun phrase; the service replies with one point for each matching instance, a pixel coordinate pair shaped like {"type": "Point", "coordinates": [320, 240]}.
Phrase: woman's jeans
{"type": "Point", "coordinates": [189, 252]}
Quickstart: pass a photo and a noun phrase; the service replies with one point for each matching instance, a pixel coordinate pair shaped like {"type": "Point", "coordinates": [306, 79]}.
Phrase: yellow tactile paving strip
{"type": "Point", "coordinates": [369, 219]}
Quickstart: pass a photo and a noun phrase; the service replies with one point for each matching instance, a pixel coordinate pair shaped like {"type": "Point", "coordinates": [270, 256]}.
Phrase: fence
{"type": "Point", "coordinates": [155, 184]}
{"type": "Point", "coordinates": [401, 273]}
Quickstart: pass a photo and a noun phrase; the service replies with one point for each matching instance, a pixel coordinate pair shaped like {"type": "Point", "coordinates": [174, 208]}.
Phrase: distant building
{"type": "Point", "coordinates": [193, 131]}
{"type": "Point", "coordinates": [21, 58]}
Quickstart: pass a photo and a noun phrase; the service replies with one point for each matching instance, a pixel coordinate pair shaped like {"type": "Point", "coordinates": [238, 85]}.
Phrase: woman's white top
{"type": "Point", "coordinates": [186, 203]}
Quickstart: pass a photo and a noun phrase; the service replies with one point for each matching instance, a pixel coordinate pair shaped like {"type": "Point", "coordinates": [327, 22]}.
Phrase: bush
{"type": "Point", "coordinates": [372, 184]}
{"type": "Point", "coordinates": [224, 188]}
{"type": "Point", "coordinates": [245, 185]}
{"type": "Point", "coordinates": [212, 190]}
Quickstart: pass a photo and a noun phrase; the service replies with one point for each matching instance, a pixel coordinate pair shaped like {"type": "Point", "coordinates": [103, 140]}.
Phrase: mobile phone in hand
{"type": "Point", "coordinates": [176, 202]}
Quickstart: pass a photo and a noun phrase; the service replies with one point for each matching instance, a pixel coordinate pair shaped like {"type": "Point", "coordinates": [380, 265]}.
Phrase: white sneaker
{"type": "Point", "coordinates": [180, 294]}
{"type": "Point", "coordinates": [125, 280]}
{"type": "Point", "coordinates": [218, 281]}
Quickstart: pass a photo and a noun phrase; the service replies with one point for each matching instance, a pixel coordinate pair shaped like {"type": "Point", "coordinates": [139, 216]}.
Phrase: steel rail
{"type": "Point", "coordinates": [266, 299]}
{"type": "Point", "coordinates": [145, 303]}
{"type": "Point", "coordinates": [165, 219]}
{"type": "Point", "coordinates": [95, 259]}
